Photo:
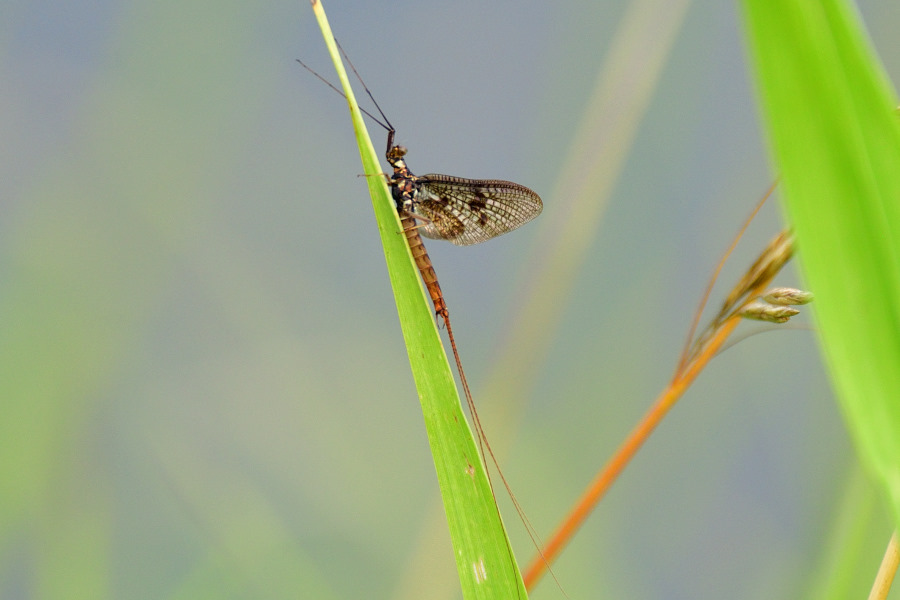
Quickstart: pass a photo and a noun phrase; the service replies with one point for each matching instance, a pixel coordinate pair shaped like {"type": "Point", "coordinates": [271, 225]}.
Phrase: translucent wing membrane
{"type": "Point", "coordinates": [470, 211]}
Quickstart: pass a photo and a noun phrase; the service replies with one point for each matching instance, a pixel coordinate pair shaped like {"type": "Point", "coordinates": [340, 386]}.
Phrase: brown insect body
{"type": "Point", "coordinates": [461, 211]}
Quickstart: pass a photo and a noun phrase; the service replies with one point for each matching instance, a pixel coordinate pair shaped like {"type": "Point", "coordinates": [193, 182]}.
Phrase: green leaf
{"type": "Point", "coordinates": [835, 136]}
{"type": "Point", "coordinates": [484, 558]}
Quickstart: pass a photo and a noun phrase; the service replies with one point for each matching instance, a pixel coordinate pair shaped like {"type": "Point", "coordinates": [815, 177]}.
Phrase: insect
{"type": "Point", "coordinates": [461, 211]}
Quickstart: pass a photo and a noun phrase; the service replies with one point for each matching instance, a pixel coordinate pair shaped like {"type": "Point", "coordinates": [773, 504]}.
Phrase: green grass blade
{"type": "Point", "coordinates": [484, 559]}
{"type": "Point", "coordinates": [836, 139]}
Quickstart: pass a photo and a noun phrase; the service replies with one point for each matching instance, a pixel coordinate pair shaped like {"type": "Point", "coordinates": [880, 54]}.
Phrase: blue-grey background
{"type": "Point", "coordinates": [203, 387]}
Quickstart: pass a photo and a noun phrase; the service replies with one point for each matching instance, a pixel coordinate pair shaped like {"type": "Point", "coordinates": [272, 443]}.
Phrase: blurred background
{"type": "Point", "coordinates": [204, 391]}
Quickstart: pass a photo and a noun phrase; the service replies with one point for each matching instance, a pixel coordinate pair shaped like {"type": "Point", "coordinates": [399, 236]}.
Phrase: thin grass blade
{"type": "Point", "coordinates": [484, 559]}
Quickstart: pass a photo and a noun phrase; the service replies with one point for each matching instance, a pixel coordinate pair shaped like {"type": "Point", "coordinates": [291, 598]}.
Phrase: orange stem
{"type": "Point", "coordinates": [623, 456]}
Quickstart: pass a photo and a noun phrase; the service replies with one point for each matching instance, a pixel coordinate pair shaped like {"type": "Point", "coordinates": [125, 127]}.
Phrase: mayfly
{"type": "Point", "coordinates": [461, 211]}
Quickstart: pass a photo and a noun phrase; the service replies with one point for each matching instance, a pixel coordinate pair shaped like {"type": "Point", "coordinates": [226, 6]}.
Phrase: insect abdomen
{"type": "Point", "coordinates": [417, 248]}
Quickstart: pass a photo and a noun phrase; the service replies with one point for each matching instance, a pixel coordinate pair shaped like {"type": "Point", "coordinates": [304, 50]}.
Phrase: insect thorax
{"type": "Point", "coordinates": [404, 185]}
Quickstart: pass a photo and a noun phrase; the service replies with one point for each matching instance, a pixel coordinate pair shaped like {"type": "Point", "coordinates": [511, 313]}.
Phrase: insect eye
{"type": "Point", "coordinates": [400, 150]}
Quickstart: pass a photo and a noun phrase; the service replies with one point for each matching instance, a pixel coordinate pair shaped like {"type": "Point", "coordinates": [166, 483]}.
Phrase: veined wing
{"type": "Point", "coordinates": [470, 211]}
